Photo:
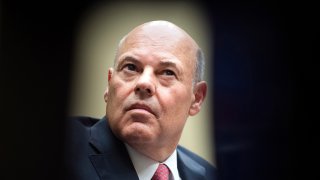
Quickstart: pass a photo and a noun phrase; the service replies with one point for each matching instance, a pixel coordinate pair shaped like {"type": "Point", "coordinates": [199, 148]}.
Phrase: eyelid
{"type": "Point", "coordinates": [170, 70]}
{"type": "Point", "coordinates": [173, 75]}
{"type": "Point", "coordinates": [125, 66]}
{"type": "Point", "coordinates": [127, 60]}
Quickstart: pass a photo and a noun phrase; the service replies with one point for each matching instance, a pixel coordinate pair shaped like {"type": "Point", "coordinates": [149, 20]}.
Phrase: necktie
{"type": "Point", "coordinates": [162, 173]}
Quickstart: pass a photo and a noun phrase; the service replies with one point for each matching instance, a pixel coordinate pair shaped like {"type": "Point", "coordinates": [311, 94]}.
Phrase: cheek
{"type": "Point", "coordinates": [175, 105]}
{"type": "Point", "coordinates": [118, 93]}
{"type": "Point", "coordinates": [119, 90]}
{"type": "Point", "coordinates": [176, 102]}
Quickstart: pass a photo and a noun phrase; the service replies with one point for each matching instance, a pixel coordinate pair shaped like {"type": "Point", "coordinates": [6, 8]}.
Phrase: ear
{"type": "Point", "coordinates": [106, 92]}
{"type": "Point", "coordinates": [200, 92]}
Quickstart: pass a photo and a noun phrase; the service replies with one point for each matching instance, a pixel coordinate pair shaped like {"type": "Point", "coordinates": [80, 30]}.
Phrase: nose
{"type": "Point", "coordinates": [145, 85]}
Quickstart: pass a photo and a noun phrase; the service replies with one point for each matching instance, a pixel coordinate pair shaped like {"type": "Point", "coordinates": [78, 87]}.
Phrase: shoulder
{"type": "Point", "coordinates": [84, 121]}
{"type": "Point", "coordinates": [79, 129]}
{"type": "Point", "coordinates": [189, 157]}
{"type": "Point", "coordinates": [78, 132]}
{"type": "Point", "coordinates": [79, 124]}
{"type": "Point", "coordinates": [77, 148]}
{"type": "Point", "coordinates": [193, 156]}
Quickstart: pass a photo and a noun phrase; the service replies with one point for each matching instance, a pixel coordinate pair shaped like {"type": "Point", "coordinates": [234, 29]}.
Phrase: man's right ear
{"type": "Point", "coordinates": [110, 72]}
{"type": "Point", "coordinates": [106, 92]}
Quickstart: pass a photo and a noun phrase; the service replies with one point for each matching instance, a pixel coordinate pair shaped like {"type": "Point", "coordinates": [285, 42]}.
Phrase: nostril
{"type": "Point", "coordinates": [143, 90]}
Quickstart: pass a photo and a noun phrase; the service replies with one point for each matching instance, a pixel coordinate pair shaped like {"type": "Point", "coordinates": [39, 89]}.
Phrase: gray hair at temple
{"type": "Point", "coordinates": [200, 64]}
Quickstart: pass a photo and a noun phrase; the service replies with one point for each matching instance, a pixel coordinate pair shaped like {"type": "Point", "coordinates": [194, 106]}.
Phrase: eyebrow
{"type": "Point", "coordinates": [126, 59]}
{"type": "Point", "coordinates": [165, 63]}
{"type": "Point", "coordinates": [168, 63]}
{"type": "Point", "coordinates": [162, 63]}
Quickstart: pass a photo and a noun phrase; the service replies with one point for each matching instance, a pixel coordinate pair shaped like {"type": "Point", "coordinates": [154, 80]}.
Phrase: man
{"type": "Point", "coordinates": [155, 84]}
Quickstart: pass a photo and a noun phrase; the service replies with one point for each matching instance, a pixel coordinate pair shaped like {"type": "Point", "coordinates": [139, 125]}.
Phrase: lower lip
{"type": "Point", "coordinates": [140, 115]}
{"type": "Point", "coordinates": [140, 111]}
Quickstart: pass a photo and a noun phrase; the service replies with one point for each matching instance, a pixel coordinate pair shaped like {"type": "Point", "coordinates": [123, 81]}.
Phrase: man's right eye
{"type": "Point", "coordinates": [130, 67]}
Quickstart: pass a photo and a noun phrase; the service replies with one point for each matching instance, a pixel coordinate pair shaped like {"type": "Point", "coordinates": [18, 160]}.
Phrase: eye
{"type": "Point", "coordinates": [168, 72]}
{"type": "Point", "coordinates": [130, 67]}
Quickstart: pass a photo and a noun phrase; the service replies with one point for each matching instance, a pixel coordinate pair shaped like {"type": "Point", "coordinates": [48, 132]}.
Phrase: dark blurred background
{"type": "Point", "coordinates": [254, 87]}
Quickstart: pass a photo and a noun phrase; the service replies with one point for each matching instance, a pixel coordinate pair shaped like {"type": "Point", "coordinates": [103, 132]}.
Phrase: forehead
{"type": "Point", "coordinates": [160, 42]}
{"type": "Point", "coordinates": [153, 58]}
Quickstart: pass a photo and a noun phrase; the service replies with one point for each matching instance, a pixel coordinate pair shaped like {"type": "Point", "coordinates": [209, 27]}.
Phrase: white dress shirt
{"type": "Point", "coordinates": [146, 167]}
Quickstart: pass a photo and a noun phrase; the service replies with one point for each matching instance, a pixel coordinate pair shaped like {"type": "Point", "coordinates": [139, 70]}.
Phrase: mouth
{"type": "Point", "coordinates": [139, 106]}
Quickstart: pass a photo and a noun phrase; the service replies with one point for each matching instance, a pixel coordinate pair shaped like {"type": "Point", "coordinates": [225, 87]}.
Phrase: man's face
{"type": "Point", "coordinates": [150, 93]}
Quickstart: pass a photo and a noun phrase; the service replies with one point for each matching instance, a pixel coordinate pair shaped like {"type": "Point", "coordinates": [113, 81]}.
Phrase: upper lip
{"type": "Point", "coordinates": [140, 106]}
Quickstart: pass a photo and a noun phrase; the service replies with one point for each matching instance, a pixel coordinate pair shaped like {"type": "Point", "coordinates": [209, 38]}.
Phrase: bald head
{"type": "Point", "coordinates": [165, 34]}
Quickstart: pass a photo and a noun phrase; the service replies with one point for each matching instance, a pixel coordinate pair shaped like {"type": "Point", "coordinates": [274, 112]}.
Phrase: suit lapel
{"type": "Point", "coordinates": [188, 168]}
{"type": "Point", "coordinates": [109, 155]}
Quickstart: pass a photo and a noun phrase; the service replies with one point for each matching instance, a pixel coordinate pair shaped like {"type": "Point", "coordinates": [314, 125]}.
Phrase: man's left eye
{"type": "Point", "coordinates": [169, 73]}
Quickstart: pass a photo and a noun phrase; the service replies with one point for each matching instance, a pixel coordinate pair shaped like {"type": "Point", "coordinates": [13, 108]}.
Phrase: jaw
{"type": "Point", "coordinates": [144, 140]}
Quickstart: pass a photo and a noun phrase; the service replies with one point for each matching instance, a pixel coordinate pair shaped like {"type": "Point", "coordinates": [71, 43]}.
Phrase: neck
{"type": "Point", "coordinates": [159, 154]}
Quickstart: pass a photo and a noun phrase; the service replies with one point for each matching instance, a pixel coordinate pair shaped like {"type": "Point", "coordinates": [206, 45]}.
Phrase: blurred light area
{"type": "Point", "coordinates": [97, 38]}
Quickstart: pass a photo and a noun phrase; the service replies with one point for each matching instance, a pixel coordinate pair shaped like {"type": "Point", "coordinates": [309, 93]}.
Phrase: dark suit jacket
{"type": "Point", "coordinates": [93, 152]}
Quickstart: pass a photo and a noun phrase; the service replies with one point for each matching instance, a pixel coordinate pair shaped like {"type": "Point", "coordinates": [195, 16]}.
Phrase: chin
{"type": "Point", "coordinates": [137, 133]}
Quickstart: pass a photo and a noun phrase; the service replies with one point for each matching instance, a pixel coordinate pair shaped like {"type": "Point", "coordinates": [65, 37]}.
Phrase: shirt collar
{"type": "Point", "coordinates": [146, 167]}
